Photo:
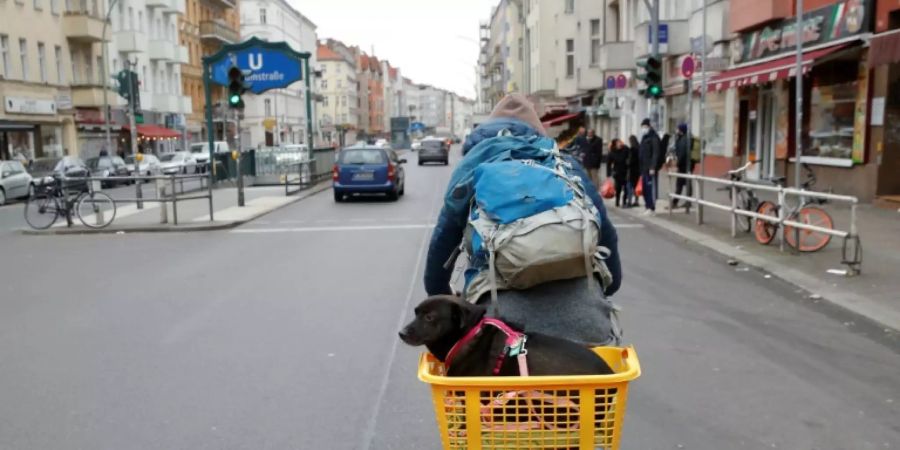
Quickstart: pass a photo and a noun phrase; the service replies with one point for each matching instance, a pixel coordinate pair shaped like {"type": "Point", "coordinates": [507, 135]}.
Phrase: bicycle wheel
{"type": "Point", "coordinates": [744, 222]}
{"type": "Point", "coordinates": [810, 241]}
{"type": "Point", "coordinates": [765, 231]}
{"type": "Point", "coordinates": [41, 211]}
{"type": "Point", "coordinates": [95, 209]}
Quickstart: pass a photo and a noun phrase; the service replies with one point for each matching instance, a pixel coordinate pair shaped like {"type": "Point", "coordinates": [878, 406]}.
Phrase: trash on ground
{"type": "Point", "coordinates": [742, 269]}
{"type": "Point", "coordinates": [767, 276]}
{"type": "Point", "coordinates": [815, 296]}
{"type": "Point", "coordinates": [841, 272]}
{"type": "Point", "coordinates": [732, 262]}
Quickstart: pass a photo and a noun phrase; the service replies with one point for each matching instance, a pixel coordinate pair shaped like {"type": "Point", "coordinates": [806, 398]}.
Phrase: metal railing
{"type": "Point", "coordinates": [167, 191]}
{"type": "Point", "coordinates": [852, 247]}
{"type": "Point", "coordinates": [303, 172]}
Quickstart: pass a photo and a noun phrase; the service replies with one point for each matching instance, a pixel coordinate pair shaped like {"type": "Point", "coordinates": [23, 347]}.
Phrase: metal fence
{"type": "Point", "coordinates": [307, 173]}
{"type": "Point", "coordinates": [851, 249]}
{"type": "Point", "coordinates": [169, 189]}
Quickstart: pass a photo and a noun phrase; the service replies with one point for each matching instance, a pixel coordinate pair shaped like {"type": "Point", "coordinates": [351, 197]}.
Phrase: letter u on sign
{"type": "Point", "coordinates": [255, 65]}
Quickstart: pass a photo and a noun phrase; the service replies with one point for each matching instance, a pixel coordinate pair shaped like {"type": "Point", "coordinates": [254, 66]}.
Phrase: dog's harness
{"type": "Point", "coordinates": [514, 346]}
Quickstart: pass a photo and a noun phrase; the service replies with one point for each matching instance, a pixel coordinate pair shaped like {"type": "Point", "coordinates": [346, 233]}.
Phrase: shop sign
{"type": "Point", "coordinates": [84, 115]}
{"type": "Point", "coordinates": [823, 25]}
{"type": "Point", "coordinates": [24, 105]}
{"type": "Point", "coordinates": [64, 101]}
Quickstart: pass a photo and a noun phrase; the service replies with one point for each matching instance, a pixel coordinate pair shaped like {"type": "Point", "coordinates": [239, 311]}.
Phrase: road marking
{"type": "Point", "coordinates": [620, 226]}
{"type": "Point", "coordinates": [340, 228]}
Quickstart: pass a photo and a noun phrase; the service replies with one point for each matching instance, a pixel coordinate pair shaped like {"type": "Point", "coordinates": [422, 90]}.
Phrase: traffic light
{"type": "Point", "coordinates": [652, 76]}
{"type": "Point", "coordinates": [236, 87]}
{"type": "Point", "coordinates": [129, 87]}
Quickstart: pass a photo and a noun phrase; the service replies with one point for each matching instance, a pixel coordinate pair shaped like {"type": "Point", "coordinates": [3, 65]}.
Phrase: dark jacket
{"type": "Point", "coordinates": [593, 154]}
{"type": "Point", "coordinates": [617, 164]}
{"type": "Point", "coordinates": [682, 152]}
{"type": "Point", "coordinates": [634, 164]}
{"type": "Point", "coordinates": [650, 152]}
{"type": "Point", "coordinates": [451, 223]}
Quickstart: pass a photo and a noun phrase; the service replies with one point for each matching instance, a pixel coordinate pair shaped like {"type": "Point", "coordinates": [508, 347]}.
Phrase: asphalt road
{"type": "Point", "coordinates": [282, 335]}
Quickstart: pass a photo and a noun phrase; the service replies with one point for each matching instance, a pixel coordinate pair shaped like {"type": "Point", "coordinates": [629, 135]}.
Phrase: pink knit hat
{"type": "Point", "coordinates": [517, 106]}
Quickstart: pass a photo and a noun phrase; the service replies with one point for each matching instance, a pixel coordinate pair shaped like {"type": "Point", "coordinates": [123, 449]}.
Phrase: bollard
{"type": "Point", "coordinates": [164, 210]}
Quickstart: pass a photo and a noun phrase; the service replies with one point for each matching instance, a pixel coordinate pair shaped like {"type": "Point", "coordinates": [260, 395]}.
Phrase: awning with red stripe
{"type": "Point", "coordinates": [560, 119]}
{"type": "Point", "coordinates": [767, 72]}
{"type": "Point", "coordinates": [155, 131]}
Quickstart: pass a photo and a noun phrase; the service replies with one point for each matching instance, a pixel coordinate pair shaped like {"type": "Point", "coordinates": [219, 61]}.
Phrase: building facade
{"type": "Point", "coordinates": [204, 28]}
{"type": "Point", "coordinates": [278, 116]}
{"type": "Point", "coordinates": [338, 111]}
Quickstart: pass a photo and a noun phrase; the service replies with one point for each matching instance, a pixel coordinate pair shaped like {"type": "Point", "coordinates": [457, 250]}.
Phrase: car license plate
{"type": "Point", "coordinates": [363, 176]}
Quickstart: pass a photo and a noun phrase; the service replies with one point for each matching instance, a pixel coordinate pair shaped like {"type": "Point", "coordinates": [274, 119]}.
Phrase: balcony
{"type": "Point", "coordinates": [157, 3]}
{"type": "Point", "coordinates": [160, 50]}
{"type": "Point", "coordinates": [131, 41]}
{"type": "Point", "coordinates": [181, 55]}
{"type": "Point", "coordinates": [91, 96]}
{"type": "Point", "coordinates": [186, 105]}
{"type": "Point", "coordinates": [174, 7]}
{"type": "Point", "coordinates": [82, 27]}
{"type": "Point", "coordinates": [166, 103]}
{"type": "Point", "coordinates": [222, 3]}
{"type": "Point", "coordinates": [217, 31]}
{"type": "Point", "coordinates": [617, 55]}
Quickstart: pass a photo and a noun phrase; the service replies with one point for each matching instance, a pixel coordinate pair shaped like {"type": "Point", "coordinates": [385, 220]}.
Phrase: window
{"type": "Point", "coordinates": [324, 84]}
{"type": "Point", "coordinates": [343, 117]}
{"type": "Point", "coordinates": [23, 58]}
{"type": "Point", "coordinates": [42, 61]}
{"type": "Point", "coordinates": [570, 6]}
{"type": "Point", "coordinates": [60, 73]}
{"type": "Point", "coordinates": [140, 21]}
{"type": "Point", "coordinates": [4, 55]}
{"type": "Point", "coordinates": [76, 76]}
{"type": "Point", "coordinates": [325, 100]}
{"type": "Point", "coordinates": [832, 112]}
{"type": "Point", "coordinates": [595, 42]}
{"type": "Point", "coordinates": [267, 107]}
{"type": "Point", "coordinates": [88, 69]}
{"type": "Point", "coordinates": [37, 5]}
{"type": "Point", "coordinates": [100, 79]}
{"type": "Point", "coordinates": [344, 100]}
{"type": "Point", "coordinates": [262, 15]}
{"type": "Point", "coordinates": [340, 84]}
{"type": "Point", "coordinates": [54, 7]}
{"type": "Point", "coordinates": [570, 58]}
{"type": "Point", "coordinates": [338, 68]}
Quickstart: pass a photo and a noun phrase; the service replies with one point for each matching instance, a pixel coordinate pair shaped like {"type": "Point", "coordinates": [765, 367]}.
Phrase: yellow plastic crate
{"type": "Point", "coordinates": [533, 413]}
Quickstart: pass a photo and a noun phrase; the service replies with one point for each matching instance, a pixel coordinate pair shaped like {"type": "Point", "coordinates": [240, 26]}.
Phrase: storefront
{"type": "Point", "coordinates": [884, 119]}
{"type": "Point", "coordinates": [835, 98]}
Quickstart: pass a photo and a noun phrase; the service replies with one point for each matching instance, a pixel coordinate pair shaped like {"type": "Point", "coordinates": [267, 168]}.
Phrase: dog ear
{"type": "Point", "coordinates": [465, 315]}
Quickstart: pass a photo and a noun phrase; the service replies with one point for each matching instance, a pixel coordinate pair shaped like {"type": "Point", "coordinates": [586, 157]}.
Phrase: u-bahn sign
{"type": "Point", "coordinates": [271, 65]}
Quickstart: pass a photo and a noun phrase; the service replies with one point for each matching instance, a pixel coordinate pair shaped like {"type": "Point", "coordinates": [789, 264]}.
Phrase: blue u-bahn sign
{"type": "Point", "coordinates": [270, 65]}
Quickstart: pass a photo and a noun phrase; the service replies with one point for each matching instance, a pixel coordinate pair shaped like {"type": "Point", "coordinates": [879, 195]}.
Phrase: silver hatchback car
{"type": "Point", "coordinates": [15, 182]}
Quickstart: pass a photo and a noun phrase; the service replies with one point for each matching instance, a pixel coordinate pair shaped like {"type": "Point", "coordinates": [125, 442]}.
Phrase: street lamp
{"type": "Point", "coordinates": [104, 76]}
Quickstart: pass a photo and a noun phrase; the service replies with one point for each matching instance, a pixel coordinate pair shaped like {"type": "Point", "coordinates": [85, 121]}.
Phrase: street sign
{"type": "Point", "coordinates": [610, 82]}
{"type": "Point", "coordinates": [697, 45]}
{"type": "Point", "coordinates": [272, 65]}
{"type": "Point", "coordinates": [687, 66]}
{"type": "Point", "coordinates": [621, 81]}
{"type": "Point", "coordinates": [139, 118]}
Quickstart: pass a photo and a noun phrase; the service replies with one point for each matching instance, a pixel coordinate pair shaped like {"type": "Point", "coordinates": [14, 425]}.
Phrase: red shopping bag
{"type": "Point", "coordinates": [608, 190]}
{"type": "Point", "coordinates": [639, 189]}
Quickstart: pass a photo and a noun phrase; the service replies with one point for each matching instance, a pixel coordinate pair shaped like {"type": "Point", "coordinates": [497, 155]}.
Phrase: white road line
{"type": "Point", "coordinates": [620, 226]}
{"type": "Point", "coordinates": [336, 228]}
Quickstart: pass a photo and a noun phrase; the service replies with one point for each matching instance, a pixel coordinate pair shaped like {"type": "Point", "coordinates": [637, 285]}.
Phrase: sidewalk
{"type": "Point", "coordinates": [193, 215]}
{"type": "Point", "coordinates": [874, 294]}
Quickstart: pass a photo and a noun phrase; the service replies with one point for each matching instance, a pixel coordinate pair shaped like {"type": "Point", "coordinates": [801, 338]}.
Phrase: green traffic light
{"type": "Point", "coordinates": [234, 99]}
{"type": "Point", "coordinates": [655, 90]}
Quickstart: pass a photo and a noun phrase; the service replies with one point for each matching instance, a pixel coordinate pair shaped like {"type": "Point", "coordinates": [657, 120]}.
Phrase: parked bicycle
{"type": "Point", "coordinates": [52, 200]}
{"type": "Point", "coordinates": [804, 212]}
{"type": "Point", "coordinates": [746, 199]}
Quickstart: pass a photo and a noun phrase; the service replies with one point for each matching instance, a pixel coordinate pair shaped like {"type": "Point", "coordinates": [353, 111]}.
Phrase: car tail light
{"type": "Point", "coordinates": [335, 172]}
{"type": "Point", "coordinates": [391, 172]}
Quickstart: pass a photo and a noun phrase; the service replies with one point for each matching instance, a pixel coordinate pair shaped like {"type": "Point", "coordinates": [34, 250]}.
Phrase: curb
{"type": "Point", "coordinates": [189, 228]}
{"type": "Point", "coordinates": [854, 303]}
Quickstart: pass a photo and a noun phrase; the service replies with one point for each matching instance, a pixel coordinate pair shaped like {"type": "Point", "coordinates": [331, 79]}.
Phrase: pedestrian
{"type": "Point", "coordinates": [593, 157]}
{"type": "Point", "coordinates": [650, 156]}
{"type": "Point", "coordinates": [634, 170]}
{"type": "Point", "coordinates": [683, 162]}
{"type": "Point", "coordinates": [617, 169]}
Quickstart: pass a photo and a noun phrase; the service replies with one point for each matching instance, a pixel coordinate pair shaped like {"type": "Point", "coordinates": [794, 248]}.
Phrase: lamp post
{"type": "Point", "coordinates": [105, 76]}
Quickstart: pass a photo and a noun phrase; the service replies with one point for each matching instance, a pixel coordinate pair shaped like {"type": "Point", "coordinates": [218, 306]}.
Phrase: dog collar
{"type": "Point", "coordinates": [514, 345]}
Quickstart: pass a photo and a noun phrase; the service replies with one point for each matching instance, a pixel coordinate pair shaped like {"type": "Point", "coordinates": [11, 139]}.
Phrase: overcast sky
{"type": "Point", "coordinates": [431, 41]}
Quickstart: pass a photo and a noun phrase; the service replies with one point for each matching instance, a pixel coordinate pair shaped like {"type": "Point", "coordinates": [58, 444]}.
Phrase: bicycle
{"type": "Point", "coordinates": [804, 212]}
{"type": "Point", "coordinates": [746, 198]}
{"type": "Point", "coordinates": [51, 200]}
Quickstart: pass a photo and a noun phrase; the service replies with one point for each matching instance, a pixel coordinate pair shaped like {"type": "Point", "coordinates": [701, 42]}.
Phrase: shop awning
{"type": "Point", "coordinates": [884, 48]}
{"type": "Point", "coordinates": [560, 119]}
{"type": "Point", "coordinates": [769, 71]}
{"type": "Point", "coordinates": [154, 131]}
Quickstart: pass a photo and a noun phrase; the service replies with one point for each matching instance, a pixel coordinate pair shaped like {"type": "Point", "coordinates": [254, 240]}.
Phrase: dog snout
{"type": "Point", "coordinates": [407, 336]}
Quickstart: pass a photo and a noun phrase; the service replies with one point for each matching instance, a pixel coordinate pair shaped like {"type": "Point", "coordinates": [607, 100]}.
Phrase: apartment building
{"type": "Point", "coordinates": [504, 63]}
{"type": "Point", "coordinates": [204, 28]}
{"type": "Point", "coordinates": [338, 111]}
{"type": "Point", "coordinates": [540, 53]}
{"type": "Point", "coordinates": [278, 116]}
{"type": "Point", "coordinates": [36, 72]}
{"type": "Point", "coordinates": [372, 74]}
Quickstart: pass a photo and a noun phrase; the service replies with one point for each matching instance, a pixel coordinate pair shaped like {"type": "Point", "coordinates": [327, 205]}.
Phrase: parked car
{"type": "Point", "coordinates": [15, 181]}
{"type": "Point", "coordinates": [416, 145]}
{"type": "Point", "coordinates": [108, 166]}
{"type": "Point", "coordinates": [177, 162]}
{"type": "Point", "coordinates": [382, 143]}
{"type": "Point", "coordinates": [200, 151]}
{"type": "Point", "coordinates": [368, 170]}
{"type": "Point", "coordinates": [150, 166]}
{"type": "Point", "coordinates": [434, 150]}
{"type": "Point", "coordinates": [46, 170]}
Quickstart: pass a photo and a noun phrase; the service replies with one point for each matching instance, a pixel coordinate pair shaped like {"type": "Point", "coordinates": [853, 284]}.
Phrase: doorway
{"type": "Point", "coordinates": [758, 133]}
